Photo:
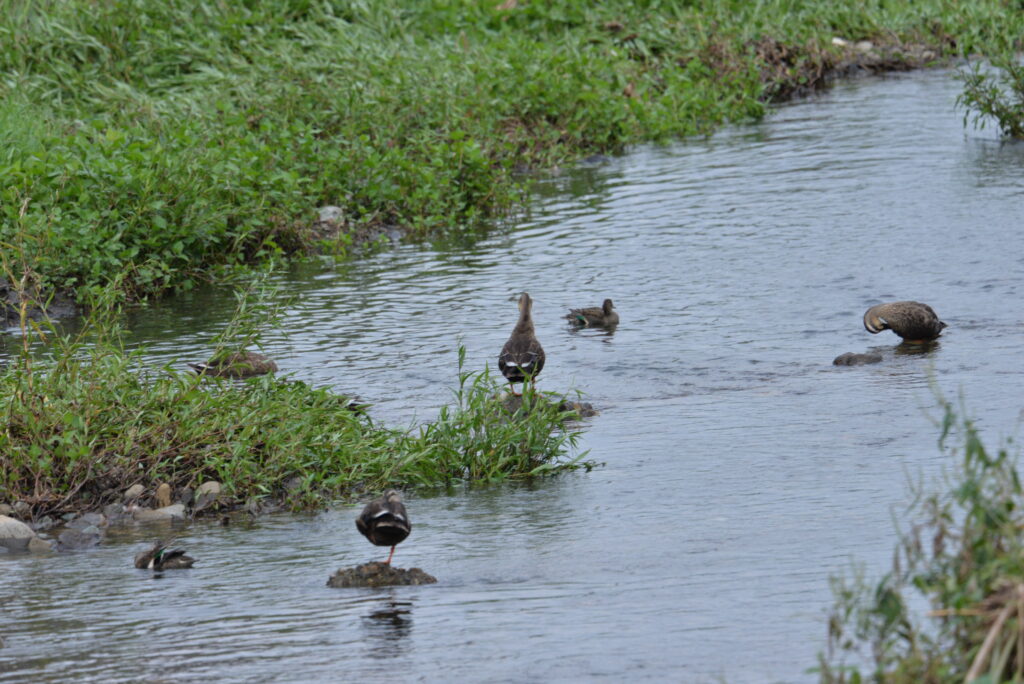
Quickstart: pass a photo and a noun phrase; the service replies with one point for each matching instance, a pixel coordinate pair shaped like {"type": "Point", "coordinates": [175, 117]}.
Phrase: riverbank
{"type": "Point", "coordinates": [165, 146]}
{"type": "Point", "coordinates": [90, 428]}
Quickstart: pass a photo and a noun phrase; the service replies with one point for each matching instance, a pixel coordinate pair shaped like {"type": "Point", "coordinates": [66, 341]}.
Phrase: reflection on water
{"type": "Point", "coordinates": [741, 467]}
{"type": "Point", "coordinates": [387, 626]}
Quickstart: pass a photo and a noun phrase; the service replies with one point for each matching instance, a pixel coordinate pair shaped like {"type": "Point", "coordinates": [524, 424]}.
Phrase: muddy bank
{"type": "Point", "coordinates": [39, 304]}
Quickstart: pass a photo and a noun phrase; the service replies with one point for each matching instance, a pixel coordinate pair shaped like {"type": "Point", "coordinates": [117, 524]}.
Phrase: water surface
{"type": "Point", "coordinates": [741, 468]}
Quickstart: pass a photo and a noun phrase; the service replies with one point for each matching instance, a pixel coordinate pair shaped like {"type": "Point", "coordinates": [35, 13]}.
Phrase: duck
{"type": "Point", "coordinates": [159, 558]}
{"type": "Point", "coordinates": [522, 357]}
{"type": "Point", "coordinates": [385, 522]}
{"type": "Point", "coordinates": [243, 364]}
{"type": "Point", "coordinates": [913, 321]}
{"type": "Point", "coordinates": [595, 316]}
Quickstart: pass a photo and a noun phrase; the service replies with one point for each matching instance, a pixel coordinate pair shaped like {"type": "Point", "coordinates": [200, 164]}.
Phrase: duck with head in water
{"type": "Point", "coordinates": [385, 522]}
{"type": "Point", "coordinates": [915, 322]}
{"type": "Point", "coordinates": [522, 357]}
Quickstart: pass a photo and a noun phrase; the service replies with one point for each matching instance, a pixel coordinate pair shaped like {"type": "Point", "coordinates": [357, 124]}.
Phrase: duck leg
{"type": "Point", "coordinates": [388, 561]}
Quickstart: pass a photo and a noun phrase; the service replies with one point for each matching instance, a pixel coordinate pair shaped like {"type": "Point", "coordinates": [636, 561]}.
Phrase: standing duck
{"type": "Point", "coordinates": [384, 521]}
{"type": "Point", "coordinates": [603, 316]}
{"type": "Point", "coordinates": [159, 558]}
{"type": "Point", "coordinates": [244, 364]}
{"type": "Point", "coordinates": [913, 321]}
{"type": "Point", "coordinates": [522, 357]}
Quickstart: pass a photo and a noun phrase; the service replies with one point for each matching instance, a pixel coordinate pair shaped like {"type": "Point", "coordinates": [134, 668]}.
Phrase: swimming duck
{"type": "Point", "coordinates": [384, 521]}
{"type": "Point", "coordinates": [159, 558]}
{"type": "Point", "coordinates": [522, 357]}
{"type": "Point", "coordinates": [245, 364]}
{"type": "Point", "coordinates": [913, 321]}
{"type": "Point", "coordinates": [595, 316]}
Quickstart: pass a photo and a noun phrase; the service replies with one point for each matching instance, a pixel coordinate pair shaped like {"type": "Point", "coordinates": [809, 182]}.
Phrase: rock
{"type": "Point", "coordinates": [14, 534]}
{"type": "Point", "coordinates": [377, 574]}
{"type": "Point", "coordinates": [583, 409]}
{"type": "Point", "coordinates": [5, 509]}
{"type": "Point", "coordinates": [864, 46]}
{"type": "Point", "coordinates": [839, 42]}
{"type": "Point", "coordinates": [88, 520]}
{"type": "Point", "coordinates": [206, 495]}
{"type": "Point", "coordinates": [114, 511]}
{"type": "Point", "coordinates": [186, 496]}
{"type": "Point", "coordinates": [134, 492]}
{"type": "Point", "coordinates": [37, 545]}
{"type": "Point", "coordinates": [22, 509]}
{"type": "Point", "coordinates": [68, 517]}
{"type": "Point", "coordinates": [331, 213]}
{"type": "Point", "coordinates": [851, 359]}
{"type": "Point", "coordinates": [163, 495]}
{"type": "Point", "coordinates": [43, 524]}
{"type": "Point", "coordinates": [172, 512]}
{"type": "Point", "coordinates": [73, 539]}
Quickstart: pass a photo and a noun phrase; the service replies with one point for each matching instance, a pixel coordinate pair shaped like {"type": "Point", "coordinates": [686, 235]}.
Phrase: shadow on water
{"type": "Point", "coordinates": [741, 467]}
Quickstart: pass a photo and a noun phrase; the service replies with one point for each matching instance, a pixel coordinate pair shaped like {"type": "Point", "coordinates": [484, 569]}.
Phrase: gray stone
{"type": "Point", "coordinates": [14, 534]}
{"type": "Point", "coordinates": [331, 213]}
{"type": "Point", "coordinates": [114, 511]}
{"type": "Point", "coordinates": [134, 492]}
{"type": "Point", "coordinates": [186, 496]}
{"type": "Point", "coordinates": [851, 359]}
{"type": "Point", "coordinates": [22, 509]}
{"type": "Point", "coordinates": [172, 512]}
{"type": "Point", "coordinates": [5, 509]}
{"type": "Point", "coordinates": [88, 520]}
{"type": "Point", "coordinates": [68, 517]}
{"type": "Point", "coordinates": [206, 495]}
{"type": "Point", "coordinates": [44, 523]}
{"type": "Point", "coordinates": [73, 539]}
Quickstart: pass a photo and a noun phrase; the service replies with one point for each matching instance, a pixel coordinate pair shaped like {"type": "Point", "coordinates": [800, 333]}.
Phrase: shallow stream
{"type": "Point", "coordinates": [741, 468]}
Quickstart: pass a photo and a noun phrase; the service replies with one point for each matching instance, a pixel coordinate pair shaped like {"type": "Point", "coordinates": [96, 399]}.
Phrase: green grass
{"type": "Point", "coordinates": [84, 421]}
{"type": "Point", "coordinates": [962, 554]}
{"type": "Point", "coordinates": [165, 141]}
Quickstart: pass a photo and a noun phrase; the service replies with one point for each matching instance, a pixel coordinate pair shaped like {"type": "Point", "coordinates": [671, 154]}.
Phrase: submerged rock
{"type": "Point", "coordinates": [73, 539]}
{"type": "Point", "coordinates": [377, 574]}
{"type": "Point", "coordinates": [14, 534]}
{"type": "Point", "coordinates": [851, 359]}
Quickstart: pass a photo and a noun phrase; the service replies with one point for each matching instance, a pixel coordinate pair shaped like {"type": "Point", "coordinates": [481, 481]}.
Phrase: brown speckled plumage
{"type": "Point", "coordinates": [595, 316]}
{"type": "Point", "coordinates": [522, 357]}
{"type": "Point", "coordinates": [245, 364]}
{"type": "Point", "coordinates": [913, 321]}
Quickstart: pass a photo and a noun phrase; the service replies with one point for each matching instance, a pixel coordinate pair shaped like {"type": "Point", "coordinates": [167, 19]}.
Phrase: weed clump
{"type": "Point", "coordinates": [964, 555]}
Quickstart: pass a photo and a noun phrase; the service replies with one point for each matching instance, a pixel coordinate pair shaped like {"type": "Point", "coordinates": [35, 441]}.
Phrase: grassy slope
{"type": "Point", "coordinates": [161, 139]}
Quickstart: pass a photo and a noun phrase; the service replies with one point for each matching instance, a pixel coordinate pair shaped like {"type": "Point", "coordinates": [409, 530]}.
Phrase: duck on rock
{"type": "Point", "coordinates": [913, 321]}
{"type": "Point", "coordinates": [385, 522]}
{"type": "Point", "coordinates": [522, 357]}
{"type": "Point", "coordinates": [603, 316]}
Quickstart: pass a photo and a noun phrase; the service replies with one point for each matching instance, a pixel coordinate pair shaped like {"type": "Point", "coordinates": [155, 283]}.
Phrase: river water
{"type": "Point", "coordinates": [741, 469]}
